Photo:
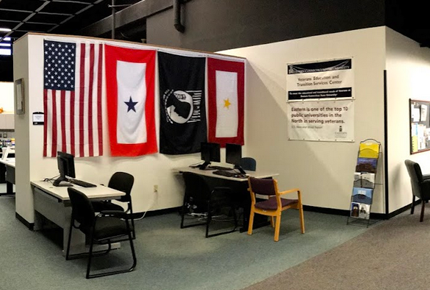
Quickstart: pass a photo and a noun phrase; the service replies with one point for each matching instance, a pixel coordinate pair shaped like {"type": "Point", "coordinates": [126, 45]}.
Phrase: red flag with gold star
{"type": "Point", "coordinates": [226, 101]}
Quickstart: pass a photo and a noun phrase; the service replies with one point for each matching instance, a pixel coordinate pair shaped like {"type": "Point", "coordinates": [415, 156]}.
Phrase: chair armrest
{"type": "Point", "coordinates": [293, 190]}
{"type": "Point", "coordinates": [115, 213]}
{"type": "Point", "coordinates": [426, 176]}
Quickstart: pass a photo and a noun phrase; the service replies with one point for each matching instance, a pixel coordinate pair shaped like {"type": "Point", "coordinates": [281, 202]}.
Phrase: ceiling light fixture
{"type": "Point", "coordinates": [5, 29]}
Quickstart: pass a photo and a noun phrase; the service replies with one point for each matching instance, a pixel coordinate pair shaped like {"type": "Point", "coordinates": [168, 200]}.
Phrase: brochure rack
{"type": "Point", "coordinates": [364, 180]}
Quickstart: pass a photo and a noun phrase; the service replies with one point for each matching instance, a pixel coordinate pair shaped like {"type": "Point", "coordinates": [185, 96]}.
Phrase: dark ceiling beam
{"type": "Point", "coordinates": [126, 16]}
{"type": "Point", "coordinates": [88, 6]}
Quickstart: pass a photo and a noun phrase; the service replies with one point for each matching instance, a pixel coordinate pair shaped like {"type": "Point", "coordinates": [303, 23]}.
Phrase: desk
{"type": "Point", "coordinates": [238, 185]}
{"type": "Point", "coordinates": [53, 203]}
{"type": "Point", "coordinates": [10, 174]}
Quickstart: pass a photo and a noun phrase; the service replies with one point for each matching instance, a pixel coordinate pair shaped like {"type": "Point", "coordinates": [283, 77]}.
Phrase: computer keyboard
{"type": "Point", "coordinates": [219, 167]}
{"type": "Point", "coordinates": [229, 173]}
{"type": "Point", "coordinates": [82, 183]}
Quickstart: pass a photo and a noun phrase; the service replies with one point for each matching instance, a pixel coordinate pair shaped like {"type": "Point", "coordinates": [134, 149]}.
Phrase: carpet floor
{"type": "Point", "coordinates": [390, 255]}
{"type": "Point", "coordinates": [168, 257]}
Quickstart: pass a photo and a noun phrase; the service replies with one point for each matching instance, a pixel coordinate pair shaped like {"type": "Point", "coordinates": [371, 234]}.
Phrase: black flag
{"type": "Point", "coordinates": [182, 103]}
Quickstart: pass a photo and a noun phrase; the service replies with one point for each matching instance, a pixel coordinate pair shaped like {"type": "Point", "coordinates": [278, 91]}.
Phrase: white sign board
{"type": "Point", "coordinates": [320, 80]}
{"type": "Point", "coordinates": [324, 120]}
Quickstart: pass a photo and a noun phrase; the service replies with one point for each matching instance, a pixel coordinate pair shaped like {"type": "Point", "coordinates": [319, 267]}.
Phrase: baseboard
{"type": "Point", "coordinates": [377, 216]}
{"type": "Point", "coordinates": [30, 226]}
{"type": "Point", "coordinates": [342, 212]}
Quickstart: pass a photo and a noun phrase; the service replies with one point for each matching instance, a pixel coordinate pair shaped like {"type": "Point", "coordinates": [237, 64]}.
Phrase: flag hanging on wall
{"type": "Point", "coordinates": [130, 81]}
{"type": "Point", "coordinates": [72, 97]}
{"type": "Point", "coordinates": [225, 101]}
{"type": "Point", "coordinates": [182, 103]}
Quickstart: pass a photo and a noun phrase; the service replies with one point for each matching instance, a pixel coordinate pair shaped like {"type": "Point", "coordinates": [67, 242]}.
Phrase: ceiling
{"type": "Point", "coordinates": [54, 16]}
{"type": "Point", "coordinates": [409, 17]}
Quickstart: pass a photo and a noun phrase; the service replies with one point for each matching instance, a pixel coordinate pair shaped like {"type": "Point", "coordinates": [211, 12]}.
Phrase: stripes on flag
{"type": "Point", "coordinates": [73, 98]}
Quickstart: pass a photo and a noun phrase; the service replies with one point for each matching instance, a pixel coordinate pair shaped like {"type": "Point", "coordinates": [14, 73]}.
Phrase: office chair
{"type": "Point", "coordinates": [420, 185]}
{"type": "Point", "coordinates": [274, 205]}
{"type": "Point", "coordinates": [121, 181]}
{"type": "Point", "coordinates": [102, 228]}
{"type": "Point", "coordinates": [209, 201]}
{"type": "Point", "coordinates": [248, 163]}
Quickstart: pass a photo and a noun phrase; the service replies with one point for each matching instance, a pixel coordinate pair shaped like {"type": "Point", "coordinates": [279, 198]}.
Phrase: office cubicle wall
{"type": "Point", "coordinates": [149, 170]}
{"type": "Point", "coordinates": [324, 171]}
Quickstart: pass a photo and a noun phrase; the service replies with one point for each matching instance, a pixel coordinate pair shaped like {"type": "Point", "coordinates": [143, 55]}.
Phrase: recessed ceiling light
{"type": "Point", "coordinates": [5, 29]}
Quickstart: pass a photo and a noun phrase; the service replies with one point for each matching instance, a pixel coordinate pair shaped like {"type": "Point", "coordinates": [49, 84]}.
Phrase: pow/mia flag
{"type": "Point", "coordinates": [182, 103]}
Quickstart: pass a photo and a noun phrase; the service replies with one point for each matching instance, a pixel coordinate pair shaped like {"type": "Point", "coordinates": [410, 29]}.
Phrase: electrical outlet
{"type": "Point", "coordinates": [155, 188]}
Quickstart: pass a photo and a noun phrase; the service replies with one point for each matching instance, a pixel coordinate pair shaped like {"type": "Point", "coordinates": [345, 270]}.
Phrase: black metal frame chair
{"type": "Point", "coordinates": [104, 228]}
{"type": "Point", "coordinates": [121, 181]}
{"type": "Point", "coordinates": [420, 185]}
{"type": "Point", "coordinates": [198, 192]}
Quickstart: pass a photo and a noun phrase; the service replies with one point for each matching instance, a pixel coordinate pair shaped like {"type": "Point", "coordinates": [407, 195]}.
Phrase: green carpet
{"type": "Point", "coordinates": [168, 257]}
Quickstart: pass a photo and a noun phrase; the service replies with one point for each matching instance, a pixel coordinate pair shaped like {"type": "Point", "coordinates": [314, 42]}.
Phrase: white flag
{"type": "Point", "coordinates": [227, 107]}
{"type": "Point", "coordinates": [131, 123]}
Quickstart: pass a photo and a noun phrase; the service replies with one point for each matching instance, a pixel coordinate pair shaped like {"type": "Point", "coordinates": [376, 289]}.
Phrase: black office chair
{"type": "Point", "coordinates": [248, 163]}
{"type": "Point", "coordinates": [121, 181]}
{"type": "Point", "coordinates": [420, 185]}
{"type": "Point", "coordinates": [102, 228]}
{"type": "Point", "coordinates": [207, 201]}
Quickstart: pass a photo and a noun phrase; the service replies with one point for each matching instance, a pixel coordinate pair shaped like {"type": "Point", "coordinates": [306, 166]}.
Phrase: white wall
{"type": "Point", "coordinates": [408, 77]}
{"type": "Point", "coordinates": [23, 147]}
{"type": "Point", "coordinates": [322, 170]}
{"type": "Point", "coordinates": [149, 170]}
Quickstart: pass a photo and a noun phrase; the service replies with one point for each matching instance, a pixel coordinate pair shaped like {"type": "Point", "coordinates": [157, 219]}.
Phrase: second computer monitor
{"type": "Point", "coordinates": [209, 152]}
{"type": "Point", "coordinates": [233, 155]}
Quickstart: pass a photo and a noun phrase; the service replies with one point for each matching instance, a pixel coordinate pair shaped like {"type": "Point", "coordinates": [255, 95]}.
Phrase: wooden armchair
{"type": "Point", "coordinates": [274, 205]}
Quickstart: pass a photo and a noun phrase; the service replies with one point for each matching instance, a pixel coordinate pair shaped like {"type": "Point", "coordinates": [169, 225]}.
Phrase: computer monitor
{"type": "Point", "coordinates": [66, 167]}
{"type": "Point", "coordinates": [233, 155]}
{"type": "Point", "coordinates": [209, 152]}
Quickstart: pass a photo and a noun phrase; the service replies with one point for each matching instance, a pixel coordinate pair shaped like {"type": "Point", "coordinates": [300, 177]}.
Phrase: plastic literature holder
{"type": "Point", "coordinates": [364, 180]}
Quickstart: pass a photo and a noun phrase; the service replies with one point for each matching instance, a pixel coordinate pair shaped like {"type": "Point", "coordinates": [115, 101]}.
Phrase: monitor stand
{"type": "Point", "coordinates": [61, 181]}
{"type": "Point", "coordinates": [238, 167]}
{"type": "Point", "coordinates": [204, 165]}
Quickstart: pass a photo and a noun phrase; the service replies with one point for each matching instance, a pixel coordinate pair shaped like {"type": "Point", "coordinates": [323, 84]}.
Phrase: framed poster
{"type": "Point", "coordinates": [419, 126]}
{"type": "Point", "coordinates": [19, 97]}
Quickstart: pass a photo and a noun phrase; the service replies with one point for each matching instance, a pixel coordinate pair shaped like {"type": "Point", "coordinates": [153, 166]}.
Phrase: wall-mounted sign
{"type": "Point", "coordinates": [38, 118]}
{"type": "Point", "coordinates": [320, 80]}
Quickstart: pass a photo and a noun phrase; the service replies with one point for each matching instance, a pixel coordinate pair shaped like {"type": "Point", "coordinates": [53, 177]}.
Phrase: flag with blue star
{"type": "Point", "coordinates": [130, 77]}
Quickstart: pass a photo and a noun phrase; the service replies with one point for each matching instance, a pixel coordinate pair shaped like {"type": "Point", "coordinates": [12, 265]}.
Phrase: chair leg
{"type": "Point", "coordinates": [208, 220]}
{"type": "Point", "coordinates": [133, 253]}
{"type": "Point", "coordinates": [133, 231]}
{"type": "Point", "coordinates": [182, 214]}
{"type": "Point", "coordinates": [302, 219]}
{"type": "Point", "coordinates": [251, 221]}
{"type": "Point", "coordinates": [277, 227]}
{"type": "Point", "coordinates": [90, 255]}
{"type": "Point", "coordinates": [423, 205]}
{"type": "Point", "coordinates": [413, 204]}
{"type": "Point", "coordinates": [272, 221]}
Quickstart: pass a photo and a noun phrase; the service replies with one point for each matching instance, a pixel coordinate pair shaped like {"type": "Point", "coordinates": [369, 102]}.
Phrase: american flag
{"type": "Point", "coordinates": [73, 98]}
